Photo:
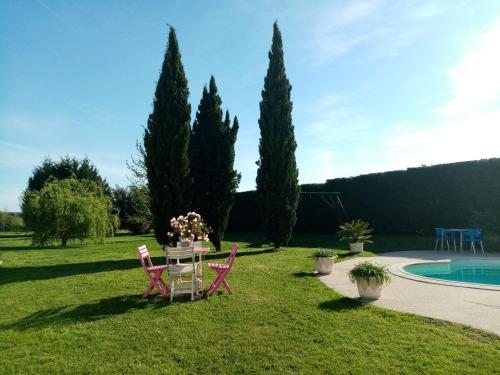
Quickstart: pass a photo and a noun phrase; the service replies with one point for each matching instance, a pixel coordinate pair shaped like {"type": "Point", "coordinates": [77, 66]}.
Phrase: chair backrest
{"type": "Point", "coordinates": [439, 231]}
{"type": "Point", "coordinates": [474, 233]}
{"type": "Point", "coordinates": [232, 255]}
{"type": "Point", "coordinates": [179, 253]}
{"type": "Point", "coordinates": [144, 256]}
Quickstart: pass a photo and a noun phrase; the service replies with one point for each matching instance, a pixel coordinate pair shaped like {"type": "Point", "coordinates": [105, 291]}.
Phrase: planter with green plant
{"type": "Point", "coordinates": [356, 233]}
{"type": "Point", "coordinates": [324, 261]}
{"type": "Point", "coordinates": [369, 277]}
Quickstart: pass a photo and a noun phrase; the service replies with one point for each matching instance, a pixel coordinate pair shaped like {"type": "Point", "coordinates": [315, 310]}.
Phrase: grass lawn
{"type": "Point", "coordinates": [80, 310]}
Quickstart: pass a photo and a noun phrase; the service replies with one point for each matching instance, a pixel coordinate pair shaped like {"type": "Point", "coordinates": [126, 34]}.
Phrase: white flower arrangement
{"type": "Point", "coordinates": [189, 227]}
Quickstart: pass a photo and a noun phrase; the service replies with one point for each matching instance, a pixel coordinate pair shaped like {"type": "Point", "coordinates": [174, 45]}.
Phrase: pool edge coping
{"type": "Point", "coordinates": [397, 270]}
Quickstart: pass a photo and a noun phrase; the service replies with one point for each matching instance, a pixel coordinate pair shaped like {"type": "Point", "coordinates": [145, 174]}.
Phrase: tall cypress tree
{"type": "Point", "coordinates": [166, 141]}
{"type": "Point", "coordinates": [277, 175]}
{"type": "Point", "coordinates": [212, 163]}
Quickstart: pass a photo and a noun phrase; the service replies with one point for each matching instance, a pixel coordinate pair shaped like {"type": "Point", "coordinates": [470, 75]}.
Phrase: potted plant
{"type": "Point", "coordinates": [188, 228]}
{"type": "Point", "coordinates": [324, 261]}
{"type": "Point", "coordinates": [356, 233]}
{"type": "Point", "coordinates": [369, 277]}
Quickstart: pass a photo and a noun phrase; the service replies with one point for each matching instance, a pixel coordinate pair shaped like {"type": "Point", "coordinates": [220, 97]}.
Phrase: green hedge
{"type": "Point", "coordinates": [412, 201]}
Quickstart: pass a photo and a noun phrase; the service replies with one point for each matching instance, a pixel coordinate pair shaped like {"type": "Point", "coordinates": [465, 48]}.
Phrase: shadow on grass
{"type": "Point", "coordinates": [225, 254]}
{"type": "Point", "coordinates": [306, 274]}
{"type": "Point", "coordinates": [86, 312]}
{"type": "Point", "coordinates": [340, 304]}
{"type": "Point", "coordinates": [31, 273]}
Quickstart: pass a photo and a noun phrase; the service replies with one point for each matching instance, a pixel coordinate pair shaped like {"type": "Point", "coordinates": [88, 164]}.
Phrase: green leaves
{"type": "Point", "coordinates": [277, 175]}
{"type": "Point", "coordinates": [166, 141]}
{"type": "Point", "coordinates": [211, 152]}
{"type": "Point", "coordinates": [357, 231]}
{"type": "Point", "coordinates": [65, 210]}
{"type": "Point", "coordinates": [366, 270]}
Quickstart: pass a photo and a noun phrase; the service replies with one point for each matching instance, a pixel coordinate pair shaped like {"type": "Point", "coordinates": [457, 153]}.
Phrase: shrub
{"type": "Point", "coordinates": [324, 253]}
{"type": "Point", "coordinates": [64, 210]}
{"type": "Point", "coordinates": [366, 270]}
{"type": "Point", "coordinates": [357, 231]}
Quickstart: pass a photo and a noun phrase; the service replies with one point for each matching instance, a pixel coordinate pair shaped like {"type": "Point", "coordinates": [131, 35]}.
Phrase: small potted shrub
{"type": "Point", "coordinates": [369, 277]}
{"type": "Point", "coordinates": [324, 261]}
{"type": "Point", "coordinates": [356, 233]}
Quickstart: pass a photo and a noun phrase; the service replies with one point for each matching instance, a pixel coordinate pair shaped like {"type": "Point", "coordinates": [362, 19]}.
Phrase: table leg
{"type": "Point", "coordinates": [461, 241]}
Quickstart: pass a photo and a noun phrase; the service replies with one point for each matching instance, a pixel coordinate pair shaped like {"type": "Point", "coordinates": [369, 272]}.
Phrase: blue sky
{"type": "Point", "coordinates": [377, 85]}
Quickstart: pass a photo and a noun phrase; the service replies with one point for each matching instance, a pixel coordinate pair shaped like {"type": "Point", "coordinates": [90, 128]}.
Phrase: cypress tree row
{"type": "Point", "coordinates": [211, 153]}
{"type": "Point", "coordinates": [166, 141]}
{"type": "Point", "coordinates": [277, 175]}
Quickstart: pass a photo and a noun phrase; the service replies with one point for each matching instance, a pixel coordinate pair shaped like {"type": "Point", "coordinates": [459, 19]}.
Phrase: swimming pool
{"type": "Point", "coordinates": [475, 271]}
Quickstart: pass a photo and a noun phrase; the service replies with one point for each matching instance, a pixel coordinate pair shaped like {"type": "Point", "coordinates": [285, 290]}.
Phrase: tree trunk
{"type": "Point", "coordinates": [217, 243]}
{"type": "Point", "coordinates": [277, 246]}
{"type": "Point", "coordinates": [64, 241]}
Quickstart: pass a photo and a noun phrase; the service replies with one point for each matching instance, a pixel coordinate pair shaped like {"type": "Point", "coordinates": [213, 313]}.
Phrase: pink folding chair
{"type": "Point", "coordinates": [153, 273]}
{"type": "Point", "coordinates": [222, 272]}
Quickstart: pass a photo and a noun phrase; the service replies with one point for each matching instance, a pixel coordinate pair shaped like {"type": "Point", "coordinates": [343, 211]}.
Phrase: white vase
{"type": "Point", "coordinates": [369, 288]}
{"type": "Point", "coordinates": [324, 265]}
{"type": "Point", "coordinates": [184, 242]}
{"type": "Point", "coordinates": [356, 247]}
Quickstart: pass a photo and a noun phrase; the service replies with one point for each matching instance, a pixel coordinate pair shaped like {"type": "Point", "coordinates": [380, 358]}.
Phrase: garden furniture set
{"type": "Point", "coordinates": [184, 268]}
{"type": "Point", "coordinates": [472, 235]}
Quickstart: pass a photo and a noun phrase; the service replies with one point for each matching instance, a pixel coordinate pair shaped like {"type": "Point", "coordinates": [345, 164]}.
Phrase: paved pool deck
{"type": "Point", "coordinates": [467, 304]}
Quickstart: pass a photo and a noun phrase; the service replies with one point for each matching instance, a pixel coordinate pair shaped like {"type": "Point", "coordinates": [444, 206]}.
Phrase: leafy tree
{"type": "Point", "coordinates": [277, 175]}
{"type": "Point", "coordinates": [166, 141]}
{"type": "Point", "coordinates": [10, 222]}
{"type": "Point", "coordinates": [133, 206]}
{"type": "Point", "coordinates": [137, 166]}
{"type": "Point", "coordinates": [67, 167]}
{"type": "Point", "coordinates": [211, 153]}
{"type": "Point", "coordinates": [68, 209]}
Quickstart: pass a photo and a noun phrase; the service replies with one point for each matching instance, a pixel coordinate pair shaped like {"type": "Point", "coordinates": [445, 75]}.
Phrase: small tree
{"type": "Point", "coordinates": [277, 175]}
{"type": "Point", "coordinates": [68, 209]}
{"type": "Point", "coordinates": [166, 141]}
{"type": "Point", "coordinates": [211, 153]}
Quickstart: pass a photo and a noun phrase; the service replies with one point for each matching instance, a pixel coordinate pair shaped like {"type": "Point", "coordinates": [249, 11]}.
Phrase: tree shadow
{"type": "Point", "coordinates": [239, 254]}
{"type": "Point", "coordinates": [341, 304]}
{"type": "Point", "coordinates": [88, 312]}
{"type": "Point", "coordinates": [14, 235]}
{"type": "Point", "coordinates": [30, 273]}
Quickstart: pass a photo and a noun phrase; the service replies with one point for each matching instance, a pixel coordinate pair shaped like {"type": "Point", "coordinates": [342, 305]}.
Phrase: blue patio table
{"type": "Point", "coordinates": [460, 231]}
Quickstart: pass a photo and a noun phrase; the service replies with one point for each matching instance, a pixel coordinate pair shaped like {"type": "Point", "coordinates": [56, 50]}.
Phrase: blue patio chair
{"type": "Point", "coordinates": [442, 234]}
{"type": "Point", "coordinates": [474, 236]}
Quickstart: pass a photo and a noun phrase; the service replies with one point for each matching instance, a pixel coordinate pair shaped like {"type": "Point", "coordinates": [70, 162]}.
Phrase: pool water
{"type": "Point", "coordinates": [476, 271]}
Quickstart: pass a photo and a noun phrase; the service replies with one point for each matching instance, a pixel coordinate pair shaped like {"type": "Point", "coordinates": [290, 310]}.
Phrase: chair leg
{"type": "Point", "coordinates": [436, 245]}
{"type": "Point", "coordinates": [482, 248]}
{"type": "Point", "coordinates": [228, 288]}
{"type": "Point", "coordinates": [473, 247]}
{"type": "Point", "coordinates": [172, 290]}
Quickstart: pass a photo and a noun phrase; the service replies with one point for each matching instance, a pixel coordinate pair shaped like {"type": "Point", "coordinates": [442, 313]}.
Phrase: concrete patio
{"type": "Point", "coordinates": [465, 304]}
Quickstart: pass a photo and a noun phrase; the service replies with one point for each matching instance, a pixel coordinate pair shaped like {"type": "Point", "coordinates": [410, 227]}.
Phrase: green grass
{"type": "Point", "coordinates": [80, 310]}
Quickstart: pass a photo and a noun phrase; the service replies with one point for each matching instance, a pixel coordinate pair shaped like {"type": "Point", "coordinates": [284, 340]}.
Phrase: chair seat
{"type": "Point", "coordinates": [156, 268]}
{"type": "Point", "coordinates": [218, 266]}
{"type": "Point", "coordinates": [180, 269]}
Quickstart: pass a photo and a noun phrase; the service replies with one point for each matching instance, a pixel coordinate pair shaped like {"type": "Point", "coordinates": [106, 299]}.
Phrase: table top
{"type": "Point", "coordinates": [458, 229]}
{"type": "Point", "coordinates": [202, 250]}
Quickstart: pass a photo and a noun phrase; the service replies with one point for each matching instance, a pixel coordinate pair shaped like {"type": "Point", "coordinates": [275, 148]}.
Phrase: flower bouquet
{"type": "Point", "coordinates": [188, 228]}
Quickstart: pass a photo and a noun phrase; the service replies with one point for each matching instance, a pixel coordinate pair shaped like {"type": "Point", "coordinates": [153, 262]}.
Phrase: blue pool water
{"type": "Point", "coordinates": [477, 271]}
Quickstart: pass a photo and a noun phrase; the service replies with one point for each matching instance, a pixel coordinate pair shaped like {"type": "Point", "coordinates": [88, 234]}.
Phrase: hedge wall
{"type": "Point", "coordinates": [412, 201]}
